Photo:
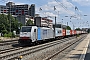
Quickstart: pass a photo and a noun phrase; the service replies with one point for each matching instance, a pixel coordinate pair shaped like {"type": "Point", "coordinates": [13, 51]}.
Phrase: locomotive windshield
{"type": "Point", "coordinates": [26, 29]}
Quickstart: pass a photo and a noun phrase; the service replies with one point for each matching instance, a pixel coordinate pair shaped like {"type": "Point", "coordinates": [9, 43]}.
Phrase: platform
{"type": "Point", "coordinates": [80, 51]}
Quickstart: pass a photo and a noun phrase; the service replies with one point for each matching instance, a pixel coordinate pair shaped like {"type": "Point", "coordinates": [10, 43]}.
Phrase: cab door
{"type": "Point", "coordinates": [35, 34]}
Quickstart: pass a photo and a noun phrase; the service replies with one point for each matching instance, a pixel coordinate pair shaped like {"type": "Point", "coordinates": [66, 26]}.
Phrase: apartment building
{"type": "Point", "coordinates": [13, 9]}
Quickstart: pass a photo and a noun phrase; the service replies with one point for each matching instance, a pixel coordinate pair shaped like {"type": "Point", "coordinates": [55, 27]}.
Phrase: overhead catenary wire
{"type": "Point", "coordinates": [61, 4]}
{"type": "Point", "coordinates": [75, 7]}
{"type": "Point", "coordinates": [77, 11]}
{"type": "Point", "coordinates": [40, 9]}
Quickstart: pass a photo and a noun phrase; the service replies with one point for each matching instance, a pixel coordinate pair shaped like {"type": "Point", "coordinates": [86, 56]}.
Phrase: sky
{"type": "Point", "coordinates": [73, 9]}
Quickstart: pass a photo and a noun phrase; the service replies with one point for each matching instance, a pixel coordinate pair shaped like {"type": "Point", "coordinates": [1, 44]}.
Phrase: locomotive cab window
{"type": "Point", "coordinates": [26, 29]}
{"type": "Point", "coordinates": [34, 30]}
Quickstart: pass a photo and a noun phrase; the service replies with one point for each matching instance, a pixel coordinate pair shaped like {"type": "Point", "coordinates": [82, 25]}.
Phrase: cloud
{"type": "Point", "coordinates": [63, 7]}
{"type": "Point", "coordinates": [18, 3]}
{"type": "Point", "coordinates": [82, 2]}
{"type": "Point", "coordinates": [8, 1]}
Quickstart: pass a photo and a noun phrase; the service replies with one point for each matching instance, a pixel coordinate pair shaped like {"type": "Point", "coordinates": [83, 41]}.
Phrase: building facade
{"type": "Point", "coordinates": [38, 21]}
{"type": "Point", "coordinates": [13, 9]}
{"type": "Point", "coordinates": [42, 21]}
{"type": "Point", "coordinates": [24, 18]}
{"type": "Point", "coordinates": [24, 13]}
{"type": "Point", "coordinates": [32, 10]}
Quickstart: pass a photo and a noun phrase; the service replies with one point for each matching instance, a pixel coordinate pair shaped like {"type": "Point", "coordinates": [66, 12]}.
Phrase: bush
{"type": "Point", "coordinates": [5, 35]}
{"type": "Point", "coordinates": [4, 31]}
{"type": "Point", "coordinates": [13, 35]}
{"type": "Point", "coordinates": [10, 34]}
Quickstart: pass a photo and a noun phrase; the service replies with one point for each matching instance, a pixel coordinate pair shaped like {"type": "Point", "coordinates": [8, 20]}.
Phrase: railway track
{"type": "Point", "coordinates": [8, 42]}
{"type": "Point", "coordinates": [9, 50]}
{"type": "Point", "coordinates": [27, 50]}
{"type": "Point", "coordinates": [14, 49]}
{"type": "Point", "coordinates": [63, 49]}
{"type": "Point", "coordinates": [12, 54]}
{"type": "Point", "coordinates": [18, 48]}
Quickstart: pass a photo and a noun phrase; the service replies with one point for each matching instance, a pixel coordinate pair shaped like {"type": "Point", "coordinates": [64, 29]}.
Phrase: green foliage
{"type": "Point", "coordinates": [77, 35]}
{"type": "Point", "coordinates": [68, 28]}
{"type": "Point", "coordinates": [4, 31]}
{"type": "Point", "coordinates": [88, 30]}
{"type": "Point", "coordinates": [13, 35]}
{"type": "Point", "coordinates": [10, 34]}
{"type": "Point", "coordinates": [78, 29]}
{"type": "Point", "coordinates": [5, 21]}
{"type": "Point", "coordinates": [5, 35]}
{"type": "Point", "coordinates": [29, 22]}
{"type": "Point", "coordinates": [14, 23]}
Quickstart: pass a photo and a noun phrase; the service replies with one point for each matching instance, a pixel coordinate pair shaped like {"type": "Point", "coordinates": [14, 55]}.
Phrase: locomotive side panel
{"type": "Point", "coordinates": [45, 33]}
{"type": "Point", "coordinates": [39, 34]}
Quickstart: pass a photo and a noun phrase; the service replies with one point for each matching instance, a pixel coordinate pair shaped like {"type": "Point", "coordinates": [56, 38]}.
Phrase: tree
{"type": "Point", "coordinates": [88, 30]}
{"type": "Point", "coordinates": [14, 23]}
{"type": "Point", "coordinates": [77, 29]}
{"type": "Point", "coordinates": [68, 28]}
{"type": "Point", "coordinates": [29, 22]}
{"type": "Point", "coordinates": [5, 21]}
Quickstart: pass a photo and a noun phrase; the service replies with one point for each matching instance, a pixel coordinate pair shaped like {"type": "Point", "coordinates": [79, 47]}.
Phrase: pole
{"type": "Point", "coordinates": [9, 17]}
{"type": "Point", "coordinates": [62, 23]}
{"type": "Point", "coordinates": [73, 26]}
{"type": "Point", "coordinates": [67, 23]}
{"type": "Point", "coordinates": [55, 26]}
{"type": "Point", "coordinates": [55, 21]}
